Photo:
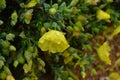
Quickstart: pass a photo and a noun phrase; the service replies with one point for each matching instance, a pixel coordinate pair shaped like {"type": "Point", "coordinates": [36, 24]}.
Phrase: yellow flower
{"type": "Point", "coordinates": [53, 41]}
{"type": "Point", "coordinates": [101, 15]}
{"type": "Point", "coordinates": [10, 77]}
{"type": "Point", "coordinates": [103, 53]}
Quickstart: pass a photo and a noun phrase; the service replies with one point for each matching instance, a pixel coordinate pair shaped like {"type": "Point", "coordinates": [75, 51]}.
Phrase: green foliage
{"type": "Point", "coordinates": [27, 43]}
{"type": "Point", "coordinates": [2, 5]}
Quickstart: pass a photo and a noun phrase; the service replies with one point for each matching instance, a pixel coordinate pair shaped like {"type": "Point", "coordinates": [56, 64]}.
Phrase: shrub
{"type": "Point", "coordinates": [66, 27]}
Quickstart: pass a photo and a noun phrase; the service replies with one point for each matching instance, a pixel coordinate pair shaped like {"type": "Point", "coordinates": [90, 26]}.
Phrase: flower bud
{"type": "Point", "coordinates": [52, 11]}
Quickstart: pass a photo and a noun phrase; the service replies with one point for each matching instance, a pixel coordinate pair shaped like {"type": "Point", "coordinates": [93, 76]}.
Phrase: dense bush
{"type": "Point", "coordinates": [39, 37]}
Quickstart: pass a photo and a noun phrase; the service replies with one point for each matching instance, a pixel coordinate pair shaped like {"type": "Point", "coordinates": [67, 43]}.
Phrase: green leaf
{"type": "Point", "coordinates": [26, 16]}
{"type": "Point", "coordinates": [2, 4]}
{"type": "Point", "coordinates": [1, 63]}
{"type": "Point", "coordinates": [73, 3]}
{"type": "Point", "coordinates": [21, 59]}
{"type": "Point", "coordinates": [14, 18]}
{"type": "Point", "coordinates": [117, 63]}
{"type": "Point", "coordinates": [62, 7]}
{"type": "Point", "coordinates": [30, 4]}
{"type": "Point", "coordinates": [73, 75]}
{"type": "Point", "coordinates": [1, 22]}
{"type": "Point", "coordinates": [7, 70]}
{"type": "Point", "coordinates": [12, 48]}
{"type": "Point", "coordinates": [5, 44]}
{"type": "Point", "coordinates": [2, 58]}
{"type": "Point", "coordinates": [10, 36]}
{"type": "Point", "coordinates": [15, 64]}
{"type": "Point", "coordinates": [103, 53]}
{"type": "Point", "coordinates": [93, 72]}
{"type": "Point", "coordinates": [46, 6]}
{"type": "Point", "coordinates": [27, 55]}
{"type": "Point", "coordinates": [41, 62]}
{"type": "Point", "coordinates": [3, 75]}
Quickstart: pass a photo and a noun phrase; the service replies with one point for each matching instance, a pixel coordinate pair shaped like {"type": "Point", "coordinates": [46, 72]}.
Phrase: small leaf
{"type": "Point", "coordinates": [22, 34]}
{"type": "Point", "coordinates": [7, 70]}
{"type": "Point", "coordinates": [103, 53]}
{"type": "Point", "coordinates": [41, 62]}
{"type": "Point", "coordinates": [14, 17]}
{"type": "Point", "coordinates": [5, 44]}
{"type": "Point", "coordinates": [35, 54]}
{"type": "Point", "coordinates": [10, 36]}
{"type": "Point", "coordinates": [117, 63]}
{"type": "Point", "coordinates": [12, 48]}
{"type": "Point", "coordinates": [27, 67]}
{"type": "Point", "coordinates": [3, 75]}
{"type": "Point", "coordinates": [46, 6]}
{"type": "Point", "coordinates": [2, 58]}
{"type": "Point", "coordinates": [73, 3]}
{"type": "Point", "coordinates": [21, 59]}
{"type": "Point", "coordinates": [93, 71]}
{"type": "Point", "coordinates": [1, 63]}
{"type": "Point", "coordinates": [30, 4]}
{"type": "Point", "coordinates": [15, 64]}
{"type": "Point", "coordinates": [26, 16]}
{"type": "Point", "coordinates": [1, 22]}
{"type": "Point", "coordinates": [92, 2]}
{"type": "Point", "coordinates": [2, 5]}
{"type": "Point", "coordinates": [62, 6]}
{"type": "Point", "coordinates": [27, 55]}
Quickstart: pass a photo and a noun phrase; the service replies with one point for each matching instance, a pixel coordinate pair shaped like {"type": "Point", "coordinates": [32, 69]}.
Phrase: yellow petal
{"type": "Point", "coordinates": [53, 41]}
{"type": "Point", "coordinates": [114, 76]}
{"type": "Point", "coordinates": [32, 3]}
{"type": "Point", "coordinates": [103, 53]}
{"type": "Point", "coordinates": [115, 32]}
{"type": "Point", "coordinates": [101, 15]}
